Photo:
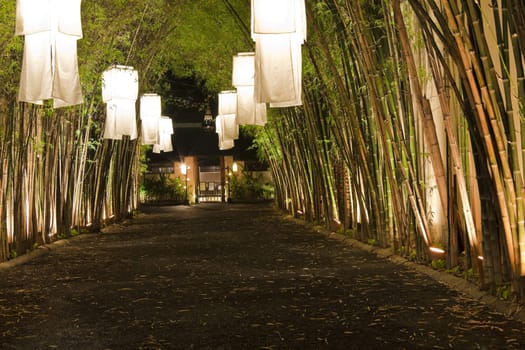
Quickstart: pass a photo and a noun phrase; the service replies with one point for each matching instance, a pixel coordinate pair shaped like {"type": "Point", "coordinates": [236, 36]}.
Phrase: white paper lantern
{"type": "Point", "coordinates": [243, 78]}
{"type": "Point", "coordinates": [278, 73]}
{"type": "Point", "coordinates": [228, 115]}
{"type": "Point", "coordinates": [50, 66]}
{"type": "Point", "coordinates": [273, 16]}
{"type": "Point", "coordinates": [227, 102]}
{"type": "Point", "coordinates": [278, 17]}
{"type": "Point", "coordinates": [248, 111]}
{"type": "Point", "coordinates": [225, 145]}
{"type": "Point", "coordinates": [165, 132]}
{"type": "Point", "coordinates": [225, 142]}
{"type": "Point", "coordinates": [230, 128]}
{"type": "Point", "coordinates": [243, 72]}
{"type": "Point", "coordinates": [260, 114]}
{"type": "Point", "coordinates": [120, 82]}
{"type": "Point", "coordinates": [120, 120]}
{"type": "Point", "coordinates": [278, 29]}
{"type": "Point", "coordinates": [120, 90]}
{"type": "Point", "coordinates": [150, 113]}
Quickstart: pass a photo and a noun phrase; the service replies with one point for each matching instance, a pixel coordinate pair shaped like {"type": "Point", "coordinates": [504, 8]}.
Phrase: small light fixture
{"type": "Point", "coordinates": [235, 167]}
{"type": "Point", "coordinates": [208, 124]}
{"type": "Point", "coordinates": [437, 250]}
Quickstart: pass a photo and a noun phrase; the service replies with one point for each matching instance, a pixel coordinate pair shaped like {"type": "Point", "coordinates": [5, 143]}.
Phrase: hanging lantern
{"type": "Point", "coordinates": [260, 114]}
{"type": "Point", "coordinates": [249, 112]}
{"type": "Point", "coordinates": [243, 73]}
{"type": "Point", "coordinates": [150, 112]}
{"type": "Point", "coordinates": [49, 67]}
{"type": "Point", "coordinates": [243, 78]}
{"type": "Point", "coordinates": [279, 73]}
{"type": "Point", "coordinates": [225, 142]}
{"type": "Point", "coordinates": [119, 90]}
{"type": "Point", "coordinates": [227, 102]}
{"type": "Point", "coordinates": [228, 115]}
{"type": "Point", "coordinates": [230, 128]}
{"type": "Point", "coordinates": [278, 17]}
{"type": "Point", "coordinates": [165, 131]}
{"type": "Point", "coordinates": [278, 29]}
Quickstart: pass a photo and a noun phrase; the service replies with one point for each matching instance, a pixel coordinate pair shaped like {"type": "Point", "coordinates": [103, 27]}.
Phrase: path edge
{"type": "Point", "coordinates": [507, 308]}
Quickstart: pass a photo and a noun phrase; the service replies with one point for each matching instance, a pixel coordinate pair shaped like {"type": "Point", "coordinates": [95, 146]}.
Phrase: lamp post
{"type": "Point", "coordinates": [184, 171]}
{"type": "Point", "coordinates": [234, 169]}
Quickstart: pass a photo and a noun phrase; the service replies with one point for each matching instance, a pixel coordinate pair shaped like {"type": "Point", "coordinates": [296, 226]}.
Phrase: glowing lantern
{"type": "Point", "coordinates": [225, 142]}
{"type": "Point", "coordinates": [279, 73]}
{"type": "Point", "coordinates": [120, 86]}
{"type": "Point", "coordinates": [150, 112]}
{"type": "Point", "coordinates": [229, 127]}
{"type": "Point", "coordinates": [228, 102]}
{"type": "Point", "coordinates": [50, 66]}
{"type": "Point", "coordinates": [243, 73]}
{"type": "Point", "coordinates": [243, 78]}
{"type": "Point", "coordinates": [278, 29]}
{"type": "Point", "coordinates": [279, 17]}
{"type": "Point", "coordinates": [228, 114]}
{"type": "Point", "coordinates": [165, 131]}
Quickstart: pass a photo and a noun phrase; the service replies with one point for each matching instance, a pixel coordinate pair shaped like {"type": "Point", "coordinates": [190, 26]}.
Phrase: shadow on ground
{"type": "Point", "coordinates": [216, 276]}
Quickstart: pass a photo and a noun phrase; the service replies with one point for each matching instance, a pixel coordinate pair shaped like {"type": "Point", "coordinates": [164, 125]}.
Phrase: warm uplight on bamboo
{"type": "Point", "coordinates": [437, 250]}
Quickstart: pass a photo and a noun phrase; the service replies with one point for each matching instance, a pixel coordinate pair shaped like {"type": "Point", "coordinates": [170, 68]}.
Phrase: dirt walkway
{"type": "Point", "coordinates": [232, 277]}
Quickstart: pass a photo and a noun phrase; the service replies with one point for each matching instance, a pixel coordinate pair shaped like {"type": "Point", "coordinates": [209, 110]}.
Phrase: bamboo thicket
{"type": "Point", "coordinates": [422, 103]}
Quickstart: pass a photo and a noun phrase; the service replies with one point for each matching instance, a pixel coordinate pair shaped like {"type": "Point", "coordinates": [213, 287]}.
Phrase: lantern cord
{"type": "Point", "coordinates": [136, 33]}
{"type": "Point", "coordinates": [244, 28]}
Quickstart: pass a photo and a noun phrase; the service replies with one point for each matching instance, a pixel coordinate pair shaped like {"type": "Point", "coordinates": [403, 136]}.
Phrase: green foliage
{"type": "Point", "coordinates": [11, 48]}
{"type": "Point", "coordinates": [74, 232]}
{"type": "Point", "coordinates": [503, 292]}
{"type": "Point", "coordinates": [372, 241]}
{"type": "Point", "coordinates": [439, 264]}
{"type": "Point", "coordinates": [162, 188]}
{"type": "Point", "coordinates": [144, 159]}
{"type": "Point", "coordinates": [413, 255]}
{"type": "Point", "coordinates": [250, 186]}
{"type": "Point", "coordinates": [206, 36]}
{"type": "Point", "coordinates": [347, 232]}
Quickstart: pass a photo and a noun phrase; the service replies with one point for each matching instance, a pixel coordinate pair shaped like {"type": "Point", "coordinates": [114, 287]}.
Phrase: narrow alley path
{"type": "Point", "coordinates": [232, 277]}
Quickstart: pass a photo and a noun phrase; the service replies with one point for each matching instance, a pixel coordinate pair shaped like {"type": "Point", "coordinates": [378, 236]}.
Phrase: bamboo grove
{"type": "Point", "coordinates": [59, 177]}
{"type": "Point", "coordinates": [411, 136]}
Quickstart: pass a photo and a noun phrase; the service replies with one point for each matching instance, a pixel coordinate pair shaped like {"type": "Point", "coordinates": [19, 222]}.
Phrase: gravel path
{"type": "Point", "coordinates": [233, 277]}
